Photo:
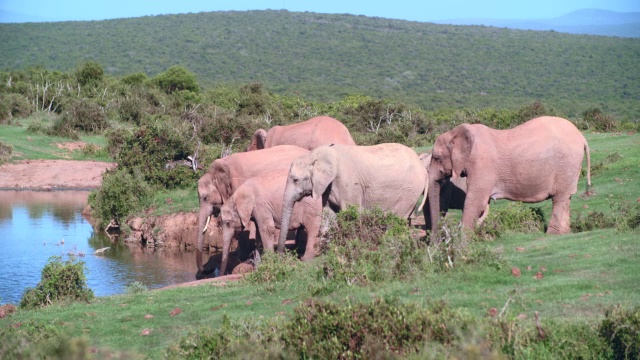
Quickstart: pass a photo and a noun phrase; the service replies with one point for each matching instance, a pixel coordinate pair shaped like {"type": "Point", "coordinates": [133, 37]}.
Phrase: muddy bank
{"type": "Point", "coordinates": [53, 175]}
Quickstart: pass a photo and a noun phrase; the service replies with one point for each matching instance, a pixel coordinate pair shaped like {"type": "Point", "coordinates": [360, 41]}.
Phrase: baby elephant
{"type": "Point", "coordinates": [260, 199]}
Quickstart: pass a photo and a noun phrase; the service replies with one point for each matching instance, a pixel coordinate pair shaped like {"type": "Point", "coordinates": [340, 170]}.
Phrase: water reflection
{"type": "Point", "coordinates": [37, 225]}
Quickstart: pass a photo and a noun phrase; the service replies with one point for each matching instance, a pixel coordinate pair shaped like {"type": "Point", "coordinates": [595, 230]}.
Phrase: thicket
{"type": "Point", "coordinates": [390, 329]}
{"type": "Point", "coordinates": [61, 281]}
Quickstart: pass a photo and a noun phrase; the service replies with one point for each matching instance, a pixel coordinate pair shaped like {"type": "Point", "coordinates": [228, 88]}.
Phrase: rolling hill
{"type": "Point", "coordinates": [325, 57]}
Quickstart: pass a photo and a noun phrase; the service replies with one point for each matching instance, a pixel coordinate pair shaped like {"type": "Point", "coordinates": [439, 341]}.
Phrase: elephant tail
{"type": "Point", "coordinates": [424, 197]}
{"type": "Point", "coordinates": [588, 153]}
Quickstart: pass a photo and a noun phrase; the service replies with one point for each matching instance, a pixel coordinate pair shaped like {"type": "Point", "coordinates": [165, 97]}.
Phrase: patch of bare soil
{"type": "Point", "coordinates": [53, 175]}
{"type": "Point", "coordinates": [73, 145]}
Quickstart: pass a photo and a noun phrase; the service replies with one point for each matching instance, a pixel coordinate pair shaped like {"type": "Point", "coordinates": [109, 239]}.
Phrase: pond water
{"type": "Point", "coordinates": [37, 225]}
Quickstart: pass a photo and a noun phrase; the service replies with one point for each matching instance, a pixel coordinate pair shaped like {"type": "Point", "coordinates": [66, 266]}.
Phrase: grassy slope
{"type": "Point", "coordinates": [583, 273]}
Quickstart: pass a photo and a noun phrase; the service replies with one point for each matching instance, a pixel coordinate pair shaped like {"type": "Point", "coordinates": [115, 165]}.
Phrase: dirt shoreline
{"type": "Point", "coordinates": [52, 175]}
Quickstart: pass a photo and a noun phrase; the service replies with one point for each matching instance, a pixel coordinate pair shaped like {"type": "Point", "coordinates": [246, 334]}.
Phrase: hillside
{"type": "Point", "coordinates": [328, 56]}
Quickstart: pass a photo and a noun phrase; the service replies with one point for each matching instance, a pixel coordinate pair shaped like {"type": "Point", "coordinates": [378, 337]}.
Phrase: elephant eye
{"type": "Point", "coordinates": [295, 181]}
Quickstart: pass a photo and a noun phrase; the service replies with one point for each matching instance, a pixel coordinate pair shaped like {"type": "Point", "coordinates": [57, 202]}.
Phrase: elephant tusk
{"type": "Point", "coordinates": [207, 224]}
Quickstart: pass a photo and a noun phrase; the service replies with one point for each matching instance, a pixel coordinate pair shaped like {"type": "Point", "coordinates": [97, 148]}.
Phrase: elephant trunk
{"type": "Point", "coordinates": [203, 220]}
{"type": "Point", "coordinates": [290, 198]}
{"type": "Point", "coordinates": [434, 208]}
{"type": "Point", "coordinates": [227, 235]}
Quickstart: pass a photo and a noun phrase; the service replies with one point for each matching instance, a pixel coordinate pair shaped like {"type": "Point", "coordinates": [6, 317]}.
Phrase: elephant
{"type": "Point", "coordinates": [309, 134]}
{"type": "Point", "coordinates": [260, 199]}
{"type": "Point", "coordinates": [386, 175]}
{"type": "Point", "coordinates": [538, 160]}
{"type": "Point", "coordinates": [452, 195]}
{"type": "Point", "coordinates": [227, 174]}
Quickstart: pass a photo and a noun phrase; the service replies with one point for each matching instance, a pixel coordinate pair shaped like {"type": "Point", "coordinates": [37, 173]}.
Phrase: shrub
{"type": "Point", "coordinates": [274, 268]}
{"type": "Point", "coordinates": [382, 329]}
{"type": "Point", "coordinates": [598, 121]}
{"type": "Point", "coordinates": [621, 331]}
{"type": "Point", "coordinates": [135, 79]}
{"type": "Point", "coordinates": [594, 220]}
{"type": "Point", "coordinates": [157, 142]}
{"type": "Point", "coordinates": [177, 78]}
{"type": "Point", "coordinates": [120, 195]}
{"type": "Point", "coordinates": [369, 246]}
{"type": "Point", "coordinates": [5, 152]}
{"type": "Point", "coordinates": [136, 287]}
{"type": "Point", "coordinates": [89, 72]}
{"type": "Point", "coordinates": [60, 281]}
{"type": "Point", "coordinates": [516, 217]}
{"type": "Point", "coordinates": [84, 115]}
{"type": "Point", "coordinates": [116, 139]}
{"type": "Point", "coordinates": [14, 106]}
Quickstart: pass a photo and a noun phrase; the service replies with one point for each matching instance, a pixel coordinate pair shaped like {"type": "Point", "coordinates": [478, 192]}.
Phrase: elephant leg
{"type": "Point", "coordinates": [267, 231]}
{"type": "Point", "coordinates": [483, 216]}
{"type": "Point", "coordinates": [560, 222]}
{"type": "Point", "coordinates": [312, 226]}
{"type": "Point", "coordinates": [474, 207]}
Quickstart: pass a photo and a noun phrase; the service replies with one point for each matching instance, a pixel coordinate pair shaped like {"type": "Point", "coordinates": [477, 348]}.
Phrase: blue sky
{"type": "Point", "coordinates": [416, 10]}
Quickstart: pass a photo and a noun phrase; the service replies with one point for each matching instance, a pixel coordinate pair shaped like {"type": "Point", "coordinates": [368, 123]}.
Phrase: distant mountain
{"type": "Point", "coordinates": [585, 21]}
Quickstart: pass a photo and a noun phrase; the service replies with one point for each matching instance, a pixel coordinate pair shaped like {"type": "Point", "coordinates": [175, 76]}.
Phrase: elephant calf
{"type": "Point", "coordinates": [260, 199]}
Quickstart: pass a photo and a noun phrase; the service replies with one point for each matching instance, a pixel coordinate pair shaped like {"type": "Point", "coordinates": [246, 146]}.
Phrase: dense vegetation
{"type": "Point", "coordinates": [326, 57]}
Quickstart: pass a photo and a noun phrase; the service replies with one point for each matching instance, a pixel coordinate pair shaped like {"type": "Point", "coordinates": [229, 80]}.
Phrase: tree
{"type": "Point", "coordinates": [177, 78]}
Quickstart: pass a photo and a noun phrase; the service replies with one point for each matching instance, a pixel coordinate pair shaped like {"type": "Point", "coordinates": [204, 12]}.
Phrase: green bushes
{"type": "Point", "coordinates": [89, 73]}
{"type": "Point", "coordinates": [13, 106]}
{"type": "Point", "coordinates": [121, 193]}
{"type": "Point", "coordinates": [516, 217]}
{"type": "Point", "coordinates": [369, 246]}
{"type": "Point", "coordinates": [5, 152]}
{"type": "Point", "coordinates": [621, 331]}
{"type": "Point", "coordinates": [60, 281]}
{"type": "Point", "coordinates": [149, 148]}
{"type": "Point", "coordinates": [177, 78]}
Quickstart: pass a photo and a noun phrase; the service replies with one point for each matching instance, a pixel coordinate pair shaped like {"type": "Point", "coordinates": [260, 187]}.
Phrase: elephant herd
{"type": "Point", "coordinates": [290, 174]}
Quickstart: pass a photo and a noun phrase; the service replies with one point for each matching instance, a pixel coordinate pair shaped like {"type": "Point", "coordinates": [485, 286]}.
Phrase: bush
{"type": "Point", "coordinates": [621, 331]}
{"type": "Point", "coordinates": [5, 153]}
{"type": "Point", "coordinates": [594, 220]}
{"type": "Point", "coordinates": [13, 106]}
{"type": "Point", "coordinates": [148, 149]}
{"type": "Point", "coordinates": [120, 195]}
{"type": "Point", "coordinates": [89, 72]}
{"type": "Point", "coordinates": [369, 246]}
{"type": "Point", "coordinates": [60, 281]}
{"type": "Point", "coordinates": [274, 268]}
{"type": "Point", "coordinates": [516, 217]}
{"type": "Point", "coordinates": [85, 115]}
{"type": "Point", "coordinates": [135, 79]}
{"type": "Point", "coordinates": [136, 287]}
{"type": "Point", "coordinates": [598, 121]}
{"type": "Point", "coordinates": [177, 78]}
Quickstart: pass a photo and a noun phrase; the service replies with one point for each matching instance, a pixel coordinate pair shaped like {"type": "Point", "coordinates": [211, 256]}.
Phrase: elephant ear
{"type": "Point", "coordinates": [222, 178]}
{"type": "Point", "coordinates": [259, 139]}
{"type": "Point", "coordinates": [460, 147]}
{"type": "Point", "coordinates": [245, 202]}
{"type": "Point", "coordinates": [324, 168]}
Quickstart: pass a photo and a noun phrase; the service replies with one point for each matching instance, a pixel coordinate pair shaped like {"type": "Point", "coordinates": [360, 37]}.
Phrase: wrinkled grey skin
{"type": "Point", "coordinates": [309, 134]}
{"type": "Point", "coordinates": [227, 174]}
{"type": "Point", "coordinates": [390, 176]}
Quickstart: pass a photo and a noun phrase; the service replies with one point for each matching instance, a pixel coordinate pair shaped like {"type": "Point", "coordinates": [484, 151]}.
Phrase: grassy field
{"type": "Point", "coordinates": [29, 145]}
{"type": "Point", "coordinates": [579, 276]}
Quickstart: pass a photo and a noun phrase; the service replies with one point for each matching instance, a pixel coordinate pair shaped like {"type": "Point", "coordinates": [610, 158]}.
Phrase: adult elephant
{"type": "Point", "coordinates": [452, 195]}
{"type": "Point", "coordinates": [387, 175]}
{"type": "Point", "coordinates": [227, 174]}
{"type": "Point", "coordinates": [309, 134]}
{"type": "Point", "coordinates": [538, 160]}
{"type": "Point", "coordinates": [260, 199]}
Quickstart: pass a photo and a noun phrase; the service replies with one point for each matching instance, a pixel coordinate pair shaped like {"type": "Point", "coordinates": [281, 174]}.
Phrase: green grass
{"type": "Point", "coordinates": [35, 146]}
{"type": "Point", "coordinates": [583, 274]}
